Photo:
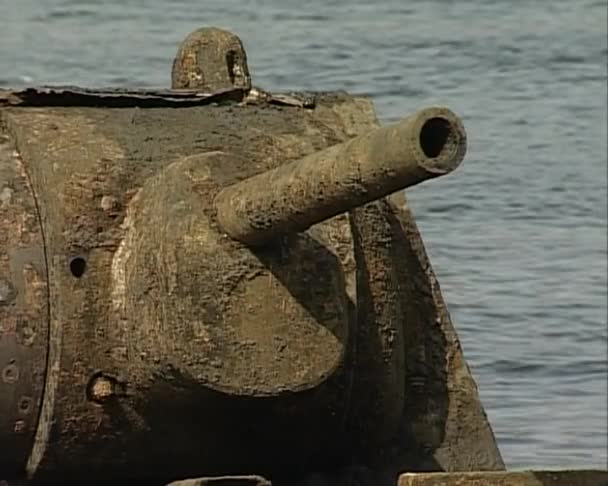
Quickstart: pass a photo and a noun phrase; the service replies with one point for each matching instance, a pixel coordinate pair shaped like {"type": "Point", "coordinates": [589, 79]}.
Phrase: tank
{"type": "Point", "coordinates": [217, 282]}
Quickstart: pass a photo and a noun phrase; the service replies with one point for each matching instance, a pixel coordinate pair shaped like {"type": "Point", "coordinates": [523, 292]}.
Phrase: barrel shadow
{"type": "Point", "coordinates": [308, 270]}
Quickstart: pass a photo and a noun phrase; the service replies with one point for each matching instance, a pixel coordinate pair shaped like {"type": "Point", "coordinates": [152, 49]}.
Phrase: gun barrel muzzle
{"type": "Point", "coordinates": [299, 194]}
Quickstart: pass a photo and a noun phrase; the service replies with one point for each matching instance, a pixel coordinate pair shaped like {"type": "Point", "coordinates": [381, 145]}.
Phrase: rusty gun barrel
{"type": "Point", "coordinates": [294, 196]}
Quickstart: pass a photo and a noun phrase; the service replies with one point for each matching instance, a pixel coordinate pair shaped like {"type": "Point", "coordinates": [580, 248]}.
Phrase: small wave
{"type": "Point", "coordinates": [451, 208]}
{"type": "Point", "coordinates": [281, 17]}
{"type": "Point", "coordinates": [70, 13]}
{"type": "Point", "coordinates": [568, 59]}
{"type": "Point", "coordinates": [515, 366]}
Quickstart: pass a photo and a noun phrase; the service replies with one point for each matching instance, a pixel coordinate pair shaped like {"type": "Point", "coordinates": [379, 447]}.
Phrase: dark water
{"type": "Point", "coordinates": [517, 234]}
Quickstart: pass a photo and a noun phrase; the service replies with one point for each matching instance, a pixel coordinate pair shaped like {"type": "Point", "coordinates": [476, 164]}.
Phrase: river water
{"type": "Point", "coordinates": [517, 235]}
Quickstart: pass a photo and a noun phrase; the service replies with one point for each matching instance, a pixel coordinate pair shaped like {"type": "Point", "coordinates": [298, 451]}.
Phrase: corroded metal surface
{"type": "Point", "coordinates": [23, 312]}
{"type": "Point", "coordinates": [145, 98]}
{"type": "Point", "coordinates": [211, 59]}
{"type": "Point", "coordinates": [428, 144]}
{"type": "Point", "coordinates": [174, 350]}
{"type": "Point", "coordinates": [519, 478]}
{"type": "Point", "coordinates": [97, 161]}
{"type": "Point", "coordinates": [158, 316]}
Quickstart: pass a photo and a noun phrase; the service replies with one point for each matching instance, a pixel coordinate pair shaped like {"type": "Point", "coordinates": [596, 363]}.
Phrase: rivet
{"type": "Point", "coordinates": [26, 334]}
{"type": "Point", "coordinates": [109, 203]}
{"type": "Point", "coordinates": [19, 426]}
{"type": "Point", "coordinates": [10, 373]}
{"type": "Point", "coordinates": [100, 388]}
{"type": "Point", "coordinates": [25, 405]}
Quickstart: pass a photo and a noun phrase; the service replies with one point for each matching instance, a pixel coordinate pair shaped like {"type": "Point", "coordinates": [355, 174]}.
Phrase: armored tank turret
{"type": "Point", "coordinates": [217, 281]}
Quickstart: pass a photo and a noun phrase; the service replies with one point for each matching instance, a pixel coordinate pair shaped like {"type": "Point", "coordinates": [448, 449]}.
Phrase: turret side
{"type": "Point", "coordinates": [88, 165]}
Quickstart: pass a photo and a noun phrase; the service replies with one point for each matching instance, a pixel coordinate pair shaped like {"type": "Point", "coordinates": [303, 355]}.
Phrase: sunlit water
{"type": "Point", "coordinates": [517, 234]}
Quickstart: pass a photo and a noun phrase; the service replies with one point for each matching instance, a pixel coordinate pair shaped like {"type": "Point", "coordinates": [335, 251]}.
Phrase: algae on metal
{"type": "Point", "coordinates": [176, 351]}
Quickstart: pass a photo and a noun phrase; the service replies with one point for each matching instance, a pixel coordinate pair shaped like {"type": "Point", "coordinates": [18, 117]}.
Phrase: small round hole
{"type": "Point", "coordinates": [10, 374]}
{"type": "Point", "coordinates": [78, 266]}
{"type": "Point", "coordinates": [434, 135]}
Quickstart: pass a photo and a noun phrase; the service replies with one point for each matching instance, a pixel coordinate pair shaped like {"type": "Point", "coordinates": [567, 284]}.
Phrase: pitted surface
{"type": "Point", "coordinates": [96, 160]}
{"type": "Point", "coordinates": [98, 163]}
{"type": "Point", "coordinates": [257, 323]}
